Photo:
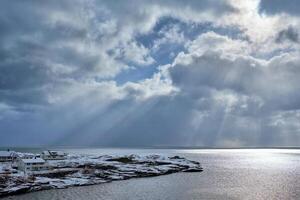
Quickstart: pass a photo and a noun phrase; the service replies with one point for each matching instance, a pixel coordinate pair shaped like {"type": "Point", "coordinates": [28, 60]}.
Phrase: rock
{"type": "Point", "coordinates": [88, 170]}
{"type": "Point", "coordinates": [175, 157]}
{"type": "Point", "coordinates": [129, 159]}
{"type": "Point", "coordinates": [105, 167]}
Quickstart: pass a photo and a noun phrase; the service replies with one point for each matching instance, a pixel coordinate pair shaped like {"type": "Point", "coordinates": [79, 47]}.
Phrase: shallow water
{"type": "Point", "coordinates": [228, 174]}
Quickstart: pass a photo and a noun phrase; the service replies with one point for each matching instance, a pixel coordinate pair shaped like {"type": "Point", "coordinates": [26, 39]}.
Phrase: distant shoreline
{"type": "Point", "coordinates": [150, 147]}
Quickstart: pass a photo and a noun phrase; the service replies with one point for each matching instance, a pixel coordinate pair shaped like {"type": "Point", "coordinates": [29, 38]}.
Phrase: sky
{"type": "Point", "coordinates": [134, 73]}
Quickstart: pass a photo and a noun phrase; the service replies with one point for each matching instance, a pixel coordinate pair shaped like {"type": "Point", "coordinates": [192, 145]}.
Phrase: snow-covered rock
{"type": "Point", "coordinates": [79, 170]}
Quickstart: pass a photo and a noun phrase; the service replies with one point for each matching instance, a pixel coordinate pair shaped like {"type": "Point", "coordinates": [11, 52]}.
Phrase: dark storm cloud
{"type": "Point", "coordinates": [279, 6]}
{"type": "Point", "coordinates": [289, 34]}
{"type": "Point", "coordinates": [35, 48]}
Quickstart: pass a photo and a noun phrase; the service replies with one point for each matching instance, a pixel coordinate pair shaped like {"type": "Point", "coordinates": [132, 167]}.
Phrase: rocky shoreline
{"type": "Point", "coordinates": [80, 170]}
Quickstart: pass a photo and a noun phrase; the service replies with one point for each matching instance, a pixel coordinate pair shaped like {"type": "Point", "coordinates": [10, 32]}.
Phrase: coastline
{"type": "Point", "coordinates": [81, 170]}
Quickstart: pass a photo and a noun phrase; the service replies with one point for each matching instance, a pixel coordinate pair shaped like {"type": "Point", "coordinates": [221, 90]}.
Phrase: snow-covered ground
{"type": "Point", "coordinates": [79, 170]}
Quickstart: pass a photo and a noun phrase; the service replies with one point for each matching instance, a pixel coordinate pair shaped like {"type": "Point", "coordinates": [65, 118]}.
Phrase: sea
{"type": "Point", "coordinates": [227, 174]}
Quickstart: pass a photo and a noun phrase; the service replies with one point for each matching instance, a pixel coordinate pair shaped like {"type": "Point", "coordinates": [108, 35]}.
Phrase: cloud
{"type": "Point", "coordinates": [274, 80]}
{"type": "Point", "coordinates": [133, 54]}
{"type": "Point", "coordinates": [44, 43]}
{"type": "Point", "coordinates": [204, 73]}
{"type": "Point", "coordinates": [231, 97]}
{"type": "Point", "coordinates": [289, 34]}
{"type": "Point", "coordinates": [205, 98]}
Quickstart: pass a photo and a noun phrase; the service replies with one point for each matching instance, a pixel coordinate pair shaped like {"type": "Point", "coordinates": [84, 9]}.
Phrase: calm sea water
{"type": "Point", "coordinates": [228, 174]}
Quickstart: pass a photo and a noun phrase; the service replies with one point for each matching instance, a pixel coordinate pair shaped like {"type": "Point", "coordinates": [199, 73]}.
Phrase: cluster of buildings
{"type": "Point", "coordinates": [7, 156]}
{"type": "Point", "coordinates": [29, 162]}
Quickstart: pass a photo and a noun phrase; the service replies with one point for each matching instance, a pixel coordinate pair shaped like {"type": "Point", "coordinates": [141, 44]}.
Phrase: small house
{"type": "Point", "coordinates": [7, 156]}
{"type": "Point", "coordinates": [28, 156]}
{"type": "Point", "coordinates": [53, 155]}
{"type": "Point", "coordinates": [33, 164]}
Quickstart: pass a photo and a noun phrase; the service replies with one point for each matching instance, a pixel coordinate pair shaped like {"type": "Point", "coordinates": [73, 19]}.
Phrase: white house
{"type": "Point", "coordinates": [33, 164]}
{"type": "Point", "coordinates": [53, 155]}
{"type": "Point", "coordinates": [7, 156]}
{"type": "Point", "coordinates": [27, 156]}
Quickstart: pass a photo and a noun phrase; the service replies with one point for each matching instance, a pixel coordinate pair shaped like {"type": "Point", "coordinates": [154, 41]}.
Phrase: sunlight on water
{"type": "Point", "coordinates": [248, 151]}
{"type": "Point", "coordinates": [254, 158]}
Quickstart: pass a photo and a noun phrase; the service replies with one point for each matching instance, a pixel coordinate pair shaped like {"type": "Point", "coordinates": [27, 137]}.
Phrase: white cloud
{"type": "Point", "coordinates": [134, 53]}
{"type": "Point", "coordinates": [211, 41]}
{"type": "Point", "coordinates": [158, 85]}
{"type": "Point", "coordinates": [170, 35]}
